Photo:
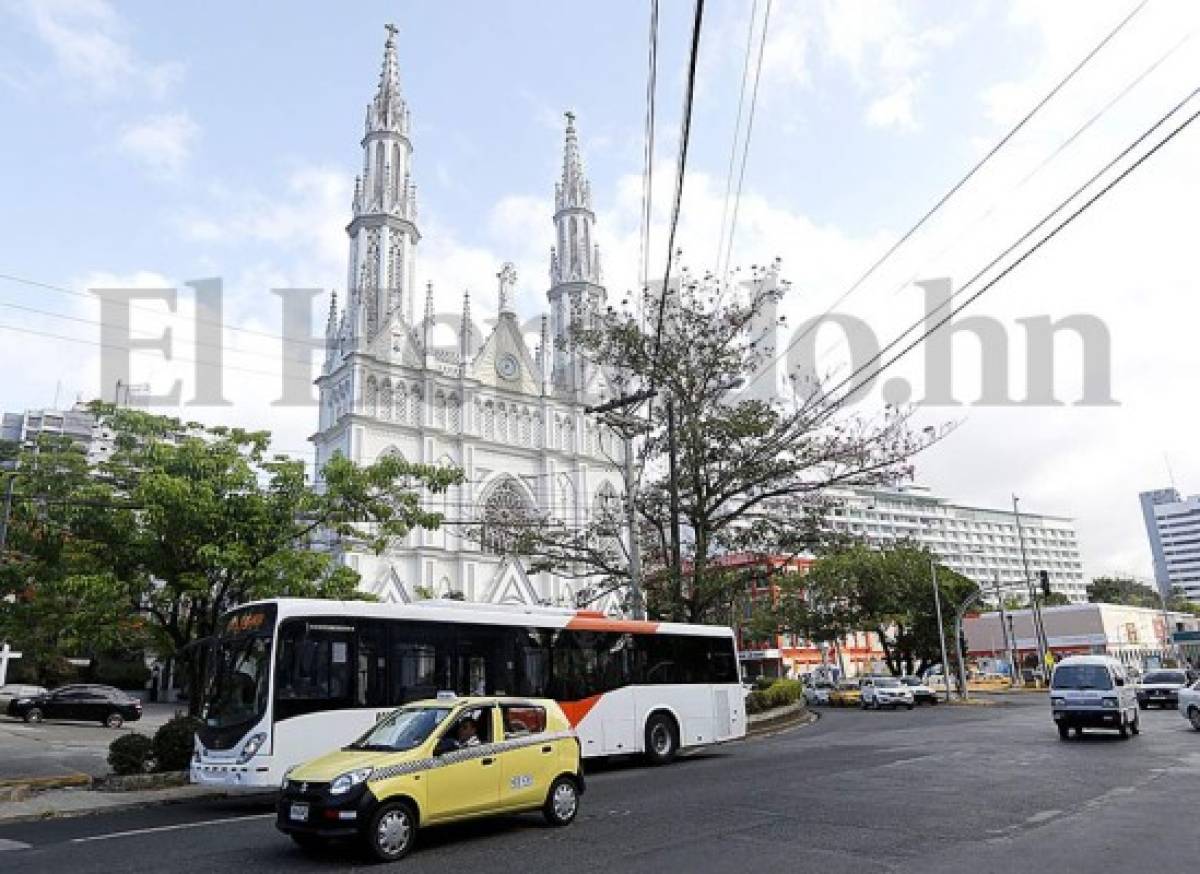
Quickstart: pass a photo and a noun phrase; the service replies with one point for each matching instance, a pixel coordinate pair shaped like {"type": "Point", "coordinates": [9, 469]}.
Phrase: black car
{"type": "Point", "coordinates": [1161, 688]}
{"type": "Point", "coordinates": [85, 703]}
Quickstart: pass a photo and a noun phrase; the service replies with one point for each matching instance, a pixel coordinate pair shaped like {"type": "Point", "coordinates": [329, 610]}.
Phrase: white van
{"type": "Point", "coordinates": [1093, 692]}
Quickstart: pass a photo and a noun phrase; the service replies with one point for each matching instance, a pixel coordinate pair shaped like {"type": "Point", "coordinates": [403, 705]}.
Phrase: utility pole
{"type": "Point", "coordinates": [937, 601]}
{"type": "Point", "coordinates": [635, 545]}
{"type": "Point", "coordinates": [1039, 630]}
{"type": "Point", "coordinates": [1005, 627]}
{"type": "Point", "coordinates": [676, 551]}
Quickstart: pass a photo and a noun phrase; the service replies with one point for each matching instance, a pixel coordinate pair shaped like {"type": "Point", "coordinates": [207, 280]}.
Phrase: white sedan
{"type": "Point", "coordinates": [1189, 704]}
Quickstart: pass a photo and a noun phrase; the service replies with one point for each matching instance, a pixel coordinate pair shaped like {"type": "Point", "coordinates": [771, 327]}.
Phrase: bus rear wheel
{"type": "Point", "coordinates": [662, 739]}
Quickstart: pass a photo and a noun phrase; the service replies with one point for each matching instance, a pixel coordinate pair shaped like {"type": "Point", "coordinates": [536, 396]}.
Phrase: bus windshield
{"type": "Point", "coordinates": [239, 670]}
{"type": "Point", "coordinates": [405, 729]}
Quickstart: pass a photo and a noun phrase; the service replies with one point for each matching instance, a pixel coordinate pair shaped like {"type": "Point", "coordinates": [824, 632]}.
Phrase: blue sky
{"type": "Point", "coordinates": [155, 143]}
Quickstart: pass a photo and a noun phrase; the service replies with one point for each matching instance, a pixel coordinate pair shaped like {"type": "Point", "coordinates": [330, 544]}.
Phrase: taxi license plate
{"type": "Point", "coordinates": [298, 812]}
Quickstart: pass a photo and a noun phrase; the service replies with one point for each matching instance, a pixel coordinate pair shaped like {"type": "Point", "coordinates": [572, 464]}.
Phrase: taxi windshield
{"type": "Point", "coordinates": [405, 729]}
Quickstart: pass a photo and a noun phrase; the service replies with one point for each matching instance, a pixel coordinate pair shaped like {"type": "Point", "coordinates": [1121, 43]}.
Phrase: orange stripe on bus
{"type": "Point", "coordinates": [591, 622]}
{"type": "Point", "coordinates": [576, 710]}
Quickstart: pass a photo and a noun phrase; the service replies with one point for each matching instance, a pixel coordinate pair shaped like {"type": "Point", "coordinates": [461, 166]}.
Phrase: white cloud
{"type": "Point", "coordinates": [894, 109]}
{"type": "Point", "coordinates": [89, 43]}
{"type": "Point", "coordinates": [161, 144]}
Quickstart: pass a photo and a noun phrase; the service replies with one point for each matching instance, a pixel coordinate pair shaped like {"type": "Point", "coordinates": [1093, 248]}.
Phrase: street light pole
{"type": "Point", "coordinates": [1005, 628]}
{"type": "Point", "coordinates": [1039, 630]}
{"type": "Point", "coordinates": [937, 601]}
{"type": "Point", "coordinates": [958, 619]}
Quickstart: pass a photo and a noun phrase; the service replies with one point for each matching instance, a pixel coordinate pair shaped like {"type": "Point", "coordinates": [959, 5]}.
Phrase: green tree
{"type": "Point", "coordinates": [1122, 590]}
{"type": "Point", "coordinates": [888, 592]}
{"type": "Point", "coordinates": [185, 521]}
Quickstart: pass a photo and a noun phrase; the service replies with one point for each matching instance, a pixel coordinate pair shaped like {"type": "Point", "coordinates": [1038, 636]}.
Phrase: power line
{"type": "Point", "coordinates": [196, 343]}
{"type": "Point", "coordinates": [1038, 245]}
{"type": "Point", "coordinates": [737, 201]}
{"type": "Point", "coordinates": [1062, 147]}
{"type": "Point", "coordinates": [685, 129]}
{"type": "Point", "coordinates": [199, 321]}
{"type": "Point", "coordinates": [737, 129]}
{"type": "Point", "coordinates": [174, 360]}
{"type": "Point", "coordinates": [648, 158]}
{"type": "Point", "coordinates": [814, 323]}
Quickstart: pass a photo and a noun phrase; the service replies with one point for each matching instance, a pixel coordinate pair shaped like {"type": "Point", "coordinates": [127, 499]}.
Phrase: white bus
{"type": "Point", "coordinates": [290, 679]}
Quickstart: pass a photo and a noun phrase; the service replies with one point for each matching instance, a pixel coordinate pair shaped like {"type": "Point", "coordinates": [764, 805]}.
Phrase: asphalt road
{"type": "Point", "coordinates": [56, 749]}
{"type": "Point", "coordinates": [934, 790]}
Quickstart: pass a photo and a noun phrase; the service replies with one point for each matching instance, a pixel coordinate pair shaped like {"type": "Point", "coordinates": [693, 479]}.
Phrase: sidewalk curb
{"type": "Point", "coordinates": [164, 796]}
{"type": "Point", "coordinates": [793, 716]}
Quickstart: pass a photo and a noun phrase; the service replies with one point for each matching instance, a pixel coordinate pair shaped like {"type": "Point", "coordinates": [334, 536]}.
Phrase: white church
{"type": "Point", "coordinates": [511, 417]}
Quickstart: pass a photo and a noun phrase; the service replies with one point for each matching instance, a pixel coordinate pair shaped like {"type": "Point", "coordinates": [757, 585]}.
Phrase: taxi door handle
{"type": "Point", "coordinates": [487, 761]}
{"type": "Point", "coordinates": [547, 749]}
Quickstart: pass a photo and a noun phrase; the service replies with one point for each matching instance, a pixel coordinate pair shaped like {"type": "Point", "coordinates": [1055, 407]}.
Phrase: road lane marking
{"type": "Point", "coordinates": [169, 828]}
{"type": "Point", "coordinates": [6, 844]}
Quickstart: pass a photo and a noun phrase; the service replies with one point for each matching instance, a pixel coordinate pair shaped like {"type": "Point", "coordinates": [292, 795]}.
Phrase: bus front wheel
{"type": "Point", "coordinates": [662, 739]}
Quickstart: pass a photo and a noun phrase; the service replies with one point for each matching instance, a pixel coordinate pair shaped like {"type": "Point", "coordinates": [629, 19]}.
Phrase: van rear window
{"type": "Point", "coordinates": [1081, 677]}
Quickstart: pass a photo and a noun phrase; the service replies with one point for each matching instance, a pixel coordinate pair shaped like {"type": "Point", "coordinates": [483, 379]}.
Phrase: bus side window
{"type": "Point", "coordinates": [371, 680]}
{"type": "Point", "coordinates": [421, 655]}
{"type": "Point", "coordinates": [314, 670]}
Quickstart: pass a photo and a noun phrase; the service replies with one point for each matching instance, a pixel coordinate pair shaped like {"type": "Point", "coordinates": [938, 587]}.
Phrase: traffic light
{"type": "Point", "coordinates": [1044, 576]}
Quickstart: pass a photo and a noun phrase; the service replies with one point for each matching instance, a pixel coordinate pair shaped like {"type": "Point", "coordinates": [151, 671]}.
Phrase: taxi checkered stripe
{"type": "Point", "coordinates": [465, 754]}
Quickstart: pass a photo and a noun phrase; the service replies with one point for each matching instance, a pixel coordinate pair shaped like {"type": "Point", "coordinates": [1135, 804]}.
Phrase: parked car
{"type": "Point", "coordinates": [921, 693]}
{"type": "Point", "coordinates": [817, 693]}
{"type": "Point", "coordinates": [1161, 688]}
{"type": "Point", "coordinates": [435, 761]}
{"type": "Point", "coordinates": [85, 703]}
{"type": "Point", "coordinates": [1189, 704]}
{"type": "Point", "coordinates": [877, 692]}
{"type": "Point", "coordinates": [12, 691]}
{"type": "Point", "coordinates": [845, 694]}
{"type": "Point", "coordinates": [1092, 692]}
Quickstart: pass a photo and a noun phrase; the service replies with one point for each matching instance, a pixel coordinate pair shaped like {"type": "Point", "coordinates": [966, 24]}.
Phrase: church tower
{"type": "Point", "coordinates": [383, 231]}
{"type": "Point", "coordinates": [576, 294]}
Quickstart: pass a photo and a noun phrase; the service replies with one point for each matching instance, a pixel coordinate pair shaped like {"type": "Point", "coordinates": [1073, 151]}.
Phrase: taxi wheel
{"type": "Point", "coordinates": [33, 715]}
{"type": "Point", "coordinates": [390, 833]}
{"type": "Point", "coordinates": [662, 739]}
{"type": "Point", "coordinates": [562, 802]}
{"type": "Point", "coordinates": [114, 720]}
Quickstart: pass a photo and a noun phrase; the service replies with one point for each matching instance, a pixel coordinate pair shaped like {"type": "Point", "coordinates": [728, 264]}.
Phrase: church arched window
{"type": "Point", "coordinates": [379, 163]}
{"type": "Point", "coordinates": [400, 413]}
{"type": "Point", "coordinates": [371, 397]}
{"type": "Point", "coordinates": [505, 513]}
{"type": "Point", "coordinates": [525, 427]}
{"type": "Point", "coordinates": [454, 413]}
{"type": "Point", "coordinates": [415, 408]}
{"type": "Point", "coordinates": [385, 399]}
{"type": "Point", "coordinates": [489, 420]}
{"type": "Point", "coordinates": [439, 410]}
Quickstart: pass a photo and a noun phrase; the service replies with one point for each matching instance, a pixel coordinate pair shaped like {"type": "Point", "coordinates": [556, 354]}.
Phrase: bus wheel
{"type": "Point", "coordinates": [662, 739]}
{"type": "Point", "coordinates": [391, 831]}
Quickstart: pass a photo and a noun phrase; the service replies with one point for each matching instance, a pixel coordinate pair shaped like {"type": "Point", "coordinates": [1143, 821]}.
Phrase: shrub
{"type": "Point", "coordinates": [783, 692]}
{"type": "Point", "coordinates": [174, 742]}
{"type": "Point", "coordinates": [756, 702]}
{"type": "Point", "coordinates": [763, 683]}
{"type": "Point", "coordinates": [130, 754]}
{"type": "Point", "coordinates": [123, 673]}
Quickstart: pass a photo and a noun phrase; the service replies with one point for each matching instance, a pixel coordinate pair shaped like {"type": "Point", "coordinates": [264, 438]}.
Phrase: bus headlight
{"type": "Point", "coordinates": [253, 745]}
{"type": "Point", "coordinates": [343, 783]}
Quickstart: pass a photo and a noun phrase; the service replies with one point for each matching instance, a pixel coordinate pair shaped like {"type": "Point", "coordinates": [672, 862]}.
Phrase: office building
{"type": "Point", "coordinates": [1173, 529]}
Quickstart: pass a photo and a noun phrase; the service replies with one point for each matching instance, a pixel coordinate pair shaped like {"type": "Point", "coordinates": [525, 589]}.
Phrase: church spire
{"type": "Point", "coordinates": [574, 190]}
{"type": "Point", "coordinates": [388, 110]}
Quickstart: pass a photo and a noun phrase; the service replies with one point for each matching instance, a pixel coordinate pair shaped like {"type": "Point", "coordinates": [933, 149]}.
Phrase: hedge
{"type": "Point", "coordinates": [174, 742]}
{"type": "Point", "coordinates": [779, 694]}
{"type": "Point", "coordinates": [130, 754]}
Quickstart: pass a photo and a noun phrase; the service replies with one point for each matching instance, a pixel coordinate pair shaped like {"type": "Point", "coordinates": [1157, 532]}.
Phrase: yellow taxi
{"type": "Point", "coordinates": [432, 762]}
{"type": "Point", "coordinates": [846, 694]}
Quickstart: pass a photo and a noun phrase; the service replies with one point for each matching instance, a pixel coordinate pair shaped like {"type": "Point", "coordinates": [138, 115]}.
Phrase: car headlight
{"type": "Point", "coordinates": [253, 745]}
{"type": "Point", "coordinates": [343, 783]}
{"type": "Point", "coordinates": [1057, 702]}
{"type": "Point", "coordinates": [1109, 703]}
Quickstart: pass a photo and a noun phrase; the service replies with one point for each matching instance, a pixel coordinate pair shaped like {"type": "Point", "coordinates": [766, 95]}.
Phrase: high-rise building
{"type": "Point", "coordinates": [980, 543]}
{"type": "Point", "coordinates": [1173, 529]}
{"type": "Point", "coordinates": [78, 424]}
{"type": "Point", "coordinates": [512, 417]}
